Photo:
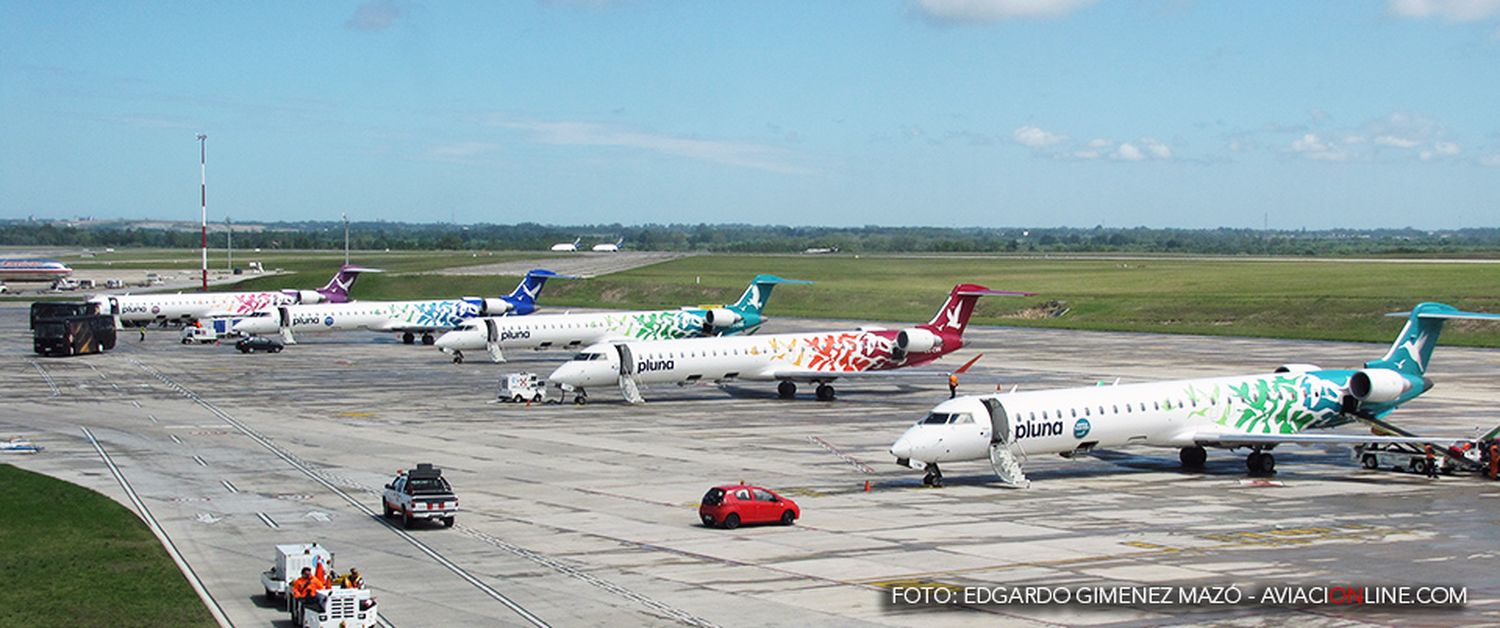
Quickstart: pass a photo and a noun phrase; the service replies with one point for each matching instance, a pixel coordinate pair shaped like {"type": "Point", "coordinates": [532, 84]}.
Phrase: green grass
{"type": "Point", "coordinates": [76, 558]}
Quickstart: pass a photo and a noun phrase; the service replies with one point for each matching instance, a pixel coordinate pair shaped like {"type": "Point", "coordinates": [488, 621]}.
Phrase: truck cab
{"type": "Point", "coordinates": [420, 494]}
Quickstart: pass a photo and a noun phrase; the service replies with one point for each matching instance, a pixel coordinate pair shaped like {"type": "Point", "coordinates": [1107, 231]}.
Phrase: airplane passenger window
{"type": "Point", "coordinates": [1101, 410]}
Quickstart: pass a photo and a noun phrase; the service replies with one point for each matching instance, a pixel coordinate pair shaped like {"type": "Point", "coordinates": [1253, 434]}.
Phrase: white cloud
{"type": "Point", "coordinates": [1128, 152]}
{"type": "Point", "coordinates": [1398, 142]}
{"type": "Point", "coordinates": [741, 154]}
{"type": "Point", "coordinates": [1157, 149]}
{"type": "Point", "coordinates": [1449, 10]}
{"type": "Point", "coordinates": [1035, 138]}
{"type": "Point", "coordinates": [1490, 161]}
{"type": "Point", "coordinates": [1100, 142]}
{"type": "Point", "coordinates": [981, 11]}
{"type": "Point", "coordinates": [374, 15]}
{"type": "Point", "coordinates": [1314, 147]}
{"type": "Point", "coordinates": [1440, 149]}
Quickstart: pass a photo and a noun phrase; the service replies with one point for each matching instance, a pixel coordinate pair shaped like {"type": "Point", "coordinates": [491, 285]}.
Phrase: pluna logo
{"type": "Point", "coordinates": [654, 365]}
{"type": "Point", "coordinates": [1039, 429]}
{"type": "Point", "coordinates": [1081, 428]}
{"type": "Point", "coordinates": [517, 334]}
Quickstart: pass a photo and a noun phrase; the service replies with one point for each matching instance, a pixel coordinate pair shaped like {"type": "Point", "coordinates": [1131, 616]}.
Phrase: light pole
{"type": "Point", "coordinates": [203, 197]}
{"type": "Point", "coordinates": [229, 230]}
{"type": "Point", "coordinates": [346, 238]}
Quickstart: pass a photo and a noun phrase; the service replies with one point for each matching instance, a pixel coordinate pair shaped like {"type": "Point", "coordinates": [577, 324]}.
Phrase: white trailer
{"type": "Point", "coordinates": [290, 559]}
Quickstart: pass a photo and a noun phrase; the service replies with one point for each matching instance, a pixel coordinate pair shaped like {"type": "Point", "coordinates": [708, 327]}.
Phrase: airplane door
{"type": "Point", "coordinates": [114, 306]}
{"type": "Point", "coordinates": [491, 332]}
{"type": "Point", "coordinates": [283, 317]}
{"type": "Point", "coordinates": [627, 363]}
{"type": "Point", "coordinates": [999, 422]}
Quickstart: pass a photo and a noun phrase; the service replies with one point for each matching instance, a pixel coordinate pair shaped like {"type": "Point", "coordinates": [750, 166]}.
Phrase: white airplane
{"type": "Point", "coordinates": [609, 247]}
{"type": "Point", "coordinates": [818, 357]}
{"type": "Point", "coordinates": [1257, 412]}
{"type": "Point", "coordinates": [143, 309]}
{"type": "Point", "coordinates": [567, 247]}
{"type": "Point", "coordinates": [407, 317]}
{"type": "Point", "coordinates": [569, 331]}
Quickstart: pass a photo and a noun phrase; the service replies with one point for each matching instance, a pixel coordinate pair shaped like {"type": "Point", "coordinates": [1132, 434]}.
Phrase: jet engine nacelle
{"type": "Point", "coordinates": [917, 340]}
{"type": "Point", "coordinates": [1378, 385]}
{"type": "Point", "coordinates": [1298, 368]}
{"type": "Point", "coordinates": [493, 307]}
{"type": "Point", "coordinates": [310, 296]}
{"type": "Point", "coordinates": [722, 317]}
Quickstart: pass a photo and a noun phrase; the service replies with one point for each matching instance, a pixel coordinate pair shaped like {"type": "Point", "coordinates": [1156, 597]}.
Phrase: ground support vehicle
{"type": "Point", "coordinates": [422, 493]}
{"type": "Point", "coordinates": [521, 388]}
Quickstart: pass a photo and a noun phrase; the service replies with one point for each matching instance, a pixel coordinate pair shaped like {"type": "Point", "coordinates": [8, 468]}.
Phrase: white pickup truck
{"type": "Point", "coordinates": [421, 493]}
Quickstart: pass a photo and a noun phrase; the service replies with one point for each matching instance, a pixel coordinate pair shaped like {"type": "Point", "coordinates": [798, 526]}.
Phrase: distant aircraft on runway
{"type": "Point", "coordinates": [32, 269]}
{"type": "Point", "coordinates": [569, 331]}
{"type": "Point", "coordinates": [567, 247]}
{"type": "Point", "coordinates": [609, 247]}
{"type": "Point", "coordinates": [142, 309]}
{"type": "Point", "coordinates": [407, 317]}
{"type": "Point", "coordinates": [818, 357]}
{"type": "Point", "coordinates": [1257, 412]}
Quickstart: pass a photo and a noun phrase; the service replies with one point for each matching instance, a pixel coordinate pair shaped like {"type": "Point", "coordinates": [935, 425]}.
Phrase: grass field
{"type": "Point", "coordinates": [77, 558]}
{"type": "Point", "coordinates": [1284, 298]}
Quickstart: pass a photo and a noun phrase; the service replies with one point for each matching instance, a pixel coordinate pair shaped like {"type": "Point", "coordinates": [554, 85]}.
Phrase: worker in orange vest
{"type": "Point", "coordinates": [952, 385]}
{"type": "Point", "coordinates": [1495, 461]}
{"type": "Point", "coordinates": [302, 588]}
{"type": "Point", "coordinates": [1432, 469]}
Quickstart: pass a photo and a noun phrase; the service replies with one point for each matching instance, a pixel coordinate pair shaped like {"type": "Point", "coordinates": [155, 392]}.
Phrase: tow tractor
{"type": "Point", "coordinates": [522, 387]}
{"type": "Point", "coordinates": [334, 607]}
{"type": "Point", "coordinates": [421, 493]}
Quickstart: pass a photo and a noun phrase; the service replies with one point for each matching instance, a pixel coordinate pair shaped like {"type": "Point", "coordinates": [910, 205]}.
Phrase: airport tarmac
{"type": "Point", "coordinates": [587, 515]}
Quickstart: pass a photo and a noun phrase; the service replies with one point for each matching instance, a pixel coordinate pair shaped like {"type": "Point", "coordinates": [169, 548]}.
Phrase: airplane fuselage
{"type": "Point", "coordinates": [570, 331]}
{"type": "Point", "coordinates": [163, 307]}
{"type": "Point", "coordinates": [368, 315]}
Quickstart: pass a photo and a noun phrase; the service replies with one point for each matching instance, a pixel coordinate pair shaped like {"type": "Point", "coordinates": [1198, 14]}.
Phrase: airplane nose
{"type": "Point", "coordinates": [447, 340]}
{"type": "Point", "coordinates": [902, 448]}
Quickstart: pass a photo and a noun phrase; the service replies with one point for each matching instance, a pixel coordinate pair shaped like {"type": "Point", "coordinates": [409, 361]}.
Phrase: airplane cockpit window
{"type": "Point", "coordinates": [964, 418]}
{"type": "Point", "coordinates": [588, 357]}
{"type": "Point", "coordinates": [935, 418]}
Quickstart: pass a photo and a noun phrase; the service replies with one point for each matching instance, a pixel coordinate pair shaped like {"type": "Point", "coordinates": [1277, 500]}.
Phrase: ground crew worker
{"type": "Point", "coordinates": [352, 580]}
{"type": "Point", "coordinates": [952, 385]}
{"type": "Point", "coordinates": [1495, 461]}
{"type": "Point", "coordinates": [143, 333]}
{"type": "Point", "coordinates": [1431, 461]}
{"type": "Point", "coordinates": [302, 588]}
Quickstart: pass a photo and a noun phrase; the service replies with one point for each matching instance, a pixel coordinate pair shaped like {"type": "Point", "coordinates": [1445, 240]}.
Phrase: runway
{"type": "Point", "coordinates": [587, 515]}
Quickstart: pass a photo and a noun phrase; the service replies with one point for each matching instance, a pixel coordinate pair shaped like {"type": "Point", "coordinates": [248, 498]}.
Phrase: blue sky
{"type": "Point", "coordinates": [905, 112]}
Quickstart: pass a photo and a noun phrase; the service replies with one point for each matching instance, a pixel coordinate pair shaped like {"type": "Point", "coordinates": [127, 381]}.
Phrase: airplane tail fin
{"type": "Point", "coordinates": [531, 285]}
{"type": "Point", "coordinates": [759, 292]}
{"type": "Point", "coordinates": [337, 290]}
{"type": "Point", "coordinates": [953, 317]}
{"type": "Point", "coordinates": [1412, 350]}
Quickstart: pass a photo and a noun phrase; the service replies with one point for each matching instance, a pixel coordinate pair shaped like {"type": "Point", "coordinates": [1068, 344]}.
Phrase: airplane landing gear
{"type": "Point", "coordinates": [1193, 457]}
{"type": "Point", "coordinates": [408, 338]}
{"type": "Point", "coordinates": [427, 339]}
{"type": "Point", "coordinates": [1261, 463]}
{"type": "Point", "coordinates": [824, 392]}
{"type": "Point", "coordinates": [934, 475]}
{"type": "Point", "coordinates": [786, 390]}
{"type": "Point", "coordinates": [458, 357]}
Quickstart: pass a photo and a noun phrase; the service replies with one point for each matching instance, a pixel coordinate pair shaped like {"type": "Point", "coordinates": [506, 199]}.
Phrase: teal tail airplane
{"type": "Point", "coordinates": [1258, 412]}
{"type": "Point", "coordinates": [571, 331]}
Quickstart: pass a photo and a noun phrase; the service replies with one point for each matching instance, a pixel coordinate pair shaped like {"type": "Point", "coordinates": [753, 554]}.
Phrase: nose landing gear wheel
{"type": "Point", "coordinates": [934, 476]}
{"type": "Point", "coordinates": [786, 390]}
{"type": "Point", "coordinates": [458, 357]}
{"type": "Point", "coordinates": [824, 392]}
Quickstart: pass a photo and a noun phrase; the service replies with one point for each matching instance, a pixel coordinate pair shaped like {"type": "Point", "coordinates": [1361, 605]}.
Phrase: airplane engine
{"type": "Point", "coordinates": [1298, 368]}
{"type": "Point", "coordinates": [917, 340]}
{"type": "Point", "coordinates": [495, 307]}
{"type": "Point", "coordinates": [721, 317]}
{"type": "Point", "coordinates": [1378, 385]}
{"type": "Point", "coordinates": [309, 296]}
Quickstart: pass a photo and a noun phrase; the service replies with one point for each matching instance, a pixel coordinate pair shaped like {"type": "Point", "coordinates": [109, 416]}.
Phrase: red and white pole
{"type": "Point", "coordinates": [203, 196]}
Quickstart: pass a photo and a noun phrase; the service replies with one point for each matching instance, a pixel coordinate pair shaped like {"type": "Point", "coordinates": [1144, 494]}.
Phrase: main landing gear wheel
{"type": "Point", "coordinates": [1261, 463]}
{"type": "Point", "coordinates": [825, 392]}
{"type": "Point", "coordinates": [1192, 457]}
{"type": "Point", "coordinates": [427, 339]}
{"type": "Point", "coordinates": [934, 476]}
{"type": "Point", "coordinates": [408, 338]}
{"type": "Point", "coordinates": [786, 390]}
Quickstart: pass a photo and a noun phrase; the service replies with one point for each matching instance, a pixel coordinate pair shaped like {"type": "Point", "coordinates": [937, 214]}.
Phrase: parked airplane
{"type": "Point", "coordinates": [407, 317]}
{"type": "Point", "coordinates": [609, 247]}
{"type": "Point", "coordinates": [569, 331]}
{"type": "Point", "coordinates": [32, 269]}
{"type": "Point", "coordinates": [1257, 412]}
{"type": "Point", "coordinates": [567, 247]}
{"type": "Point", "coordinates": [817, 358]}
{"type": "Point", "coordinates": [143, 309]}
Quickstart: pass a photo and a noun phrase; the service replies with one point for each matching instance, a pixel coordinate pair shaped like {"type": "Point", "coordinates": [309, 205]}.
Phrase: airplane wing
{"type": "Point", "coordinates": [1242, 440]}
{"type": "Point", "coordinates": [918, 373]}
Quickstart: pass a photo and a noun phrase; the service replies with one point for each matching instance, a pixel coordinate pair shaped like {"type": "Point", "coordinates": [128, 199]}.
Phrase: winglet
{"type": "Point", "coordinates": [968, 364]}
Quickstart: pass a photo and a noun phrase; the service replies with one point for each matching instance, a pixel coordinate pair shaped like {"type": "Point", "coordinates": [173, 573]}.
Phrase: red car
{"type": "Point", "coordinates": [730, 506]}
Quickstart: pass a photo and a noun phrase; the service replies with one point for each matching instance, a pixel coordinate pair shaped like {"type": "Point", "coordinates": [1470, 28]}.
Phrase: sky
{"type": "Point", "coordinates": [953, 113]}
